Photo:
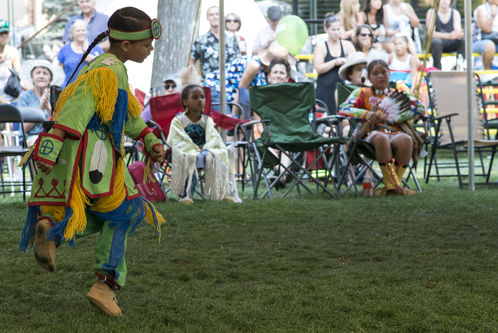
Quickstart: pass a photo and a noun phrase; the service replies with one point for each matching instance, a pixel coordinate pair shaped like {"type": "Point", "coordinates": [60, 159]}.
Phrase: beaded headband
{"type": "Point", "coordinates": [153, 31]}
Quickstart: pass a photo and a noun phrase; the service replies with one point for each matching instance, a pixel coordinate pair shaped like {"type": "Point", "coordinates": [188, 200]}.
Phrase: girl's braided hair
{"type": "Point", "coordinates": [124, 19]}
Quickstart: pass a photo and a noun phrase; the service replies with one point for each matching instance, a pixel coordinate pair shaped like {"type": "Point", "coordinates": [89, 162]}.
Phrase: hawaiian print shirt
{"type": "Point", "coordinates": [206, 48]}
{"type": "Point", "coordinates": [234, 71]}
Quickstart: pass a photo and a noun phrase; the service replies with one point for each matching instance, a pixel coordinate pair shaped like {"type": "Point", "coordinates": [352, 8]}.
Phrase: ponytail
{"type": "Point", "coordinates": [97, 40]}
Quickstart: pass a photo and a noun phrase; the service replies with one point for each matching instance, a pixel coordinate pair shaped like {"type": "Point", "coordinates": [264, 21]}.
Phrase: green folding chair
{"type": "Point", "coordinates": [284, 110]}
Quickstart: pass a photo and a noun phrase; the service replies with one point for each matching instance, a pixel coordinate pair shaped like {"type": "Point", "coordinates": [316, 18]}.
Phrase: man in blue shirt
{"type": "Point", "coordinates": [97, 22]}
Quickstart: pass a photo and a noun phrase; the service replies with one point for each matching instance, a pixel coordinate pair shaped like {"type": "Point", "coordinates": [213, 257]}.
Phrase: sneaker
{"type": "Point", "coordinates": [104, 299]}
{"type": "Point", "coordinates": [44, 249]}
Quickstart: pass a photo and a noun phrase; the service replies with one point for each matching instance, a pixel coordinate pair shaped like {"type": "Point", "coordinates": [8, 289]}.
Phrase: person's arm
{"type": "Point", "coordinates": [233, 48]}
{"type": "Point", "coordinates": [137, 130]}
{"type": "Point", "coordinates": [389, 32]}
{"type": "Point", "coordinates": [251, 71]}
{"type": "Point", "coordinates": [414, 21]}
{"type": "Point", "coordinates": [348, 47]}
{"type": "Point", "coordinates": [362, 18]}
{"type": "Point", "coordinates": [429, 24]}
{"type": "Point", "coordinates": [58, 135]}
{"type": "Point", "coordinates": [485, 22]}
{"type": "Point", "coordinates": [319, 63]}
{"type": "Point", "coordinates": [22, 102]}
{"type": "Point", "coordinates": [413, 71]}
{"type": "Point", "coordinates": [260, 43]}
{"type": "Point", "coordinates": [343, 33]}
{"type": "Point", "coordinates": [457, 25]}
{"type": "Point", "coordinates": [354, 105]}
{"type": "Point", "coordinates": [194, 53]}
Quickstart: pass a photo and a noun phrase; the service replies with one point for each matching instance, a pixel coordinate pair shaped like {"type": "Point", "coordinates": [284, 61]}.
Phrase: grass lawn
{"type": "Point", "coordinates": [426, 263]}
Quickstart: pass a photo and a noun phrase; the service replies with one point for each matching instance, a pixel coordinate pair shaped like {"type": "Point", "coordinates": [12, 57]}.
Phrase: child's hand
{"type": "Point", "coordinates": [158, 152]}
{"type": "Point", "coordinates": [44, 167]}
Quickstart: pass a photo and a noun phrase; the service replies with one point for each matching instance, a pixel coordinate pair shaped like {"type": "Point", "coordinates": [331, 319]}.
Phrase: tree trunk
{"type": "Point", "coordinates": [172, 50]}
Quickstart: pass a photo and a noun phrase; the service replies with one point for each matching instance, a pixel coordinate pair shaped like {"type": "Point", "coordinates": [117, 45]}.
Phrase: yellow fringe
{"type": "Point", "coordinates": [57, 212]}
{"type": "Point", "coordinates": [133, 104]}
{"type": "Point", "coordinates": [113, 201]}
{"type": "Point", "coordinates": [149, 218]}
{"type": "Point", "coordinates": [79, 201]}
{"type": "Point", "coordinates": [103, 85]}
{"type": "Point", "coordinates": [26, 156]}
{"type": "Point", "coordinates": [77, 222]}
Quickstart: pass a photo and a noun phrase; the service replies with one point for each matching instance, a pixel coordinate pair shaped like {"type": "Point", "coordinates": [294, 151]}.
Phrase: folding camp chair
{"type": "Point", "coordinates": [361, 154]}
{"type": "Point", "coordinates": [284, 111]}
{"type": "Point", "coordinates": [12, 148]}
{"type": "Point", "coordinates": [487, 93]}
{"type": "Point", "coordinates": [450, 127]}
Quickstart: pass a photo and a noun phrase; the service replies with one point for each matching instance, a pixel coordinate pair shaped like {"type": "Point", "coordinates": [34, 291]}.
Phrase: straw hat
{"type": "Point", "coordinates": [275, 51]}
{"type": "Point", "coordinates": [352, 60]}
{"type": "Point", "coordinates": [28, 66]}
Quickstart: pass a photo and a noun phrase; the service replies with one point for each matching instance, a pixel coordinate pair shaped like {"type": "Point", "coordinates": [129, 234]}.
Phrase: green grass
{"type": "Point", "coordinates": [414, 264]}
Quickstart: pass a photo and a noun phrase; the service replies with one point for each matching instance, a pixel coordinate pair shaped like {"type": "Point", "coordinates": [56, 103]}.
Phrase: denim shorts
{"type": "Point", "coordinates": [478, 46]}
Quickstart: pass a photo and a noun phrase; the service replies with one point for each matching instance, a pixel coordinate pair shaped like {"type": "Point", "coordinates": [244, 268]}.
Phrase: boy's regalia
{"type": "Point", "coordinates": [89, 189]}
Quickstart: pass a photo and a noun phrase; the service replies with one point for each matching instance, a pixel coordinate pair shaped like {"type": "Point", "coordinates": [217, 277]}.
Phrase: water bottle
{"type": "Point", "coordinates": [459, 65]}
{"type": "Point", "coordinates": [367, 185]}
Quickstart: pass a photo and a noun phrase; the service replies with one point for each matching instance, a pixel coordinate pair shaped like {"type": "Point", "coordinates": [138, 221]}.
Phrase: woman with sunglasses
{"type": "Point", "coordinates": [363, 41]}
{"type": "Point", "coordinates": [327, 58]}
{"type": "Point", "coordinates": [233, 24]}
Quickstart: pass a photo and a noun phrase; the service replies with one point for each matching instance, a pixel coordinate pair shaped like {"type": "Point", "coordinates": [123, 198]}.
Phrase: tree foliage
{"type": "Point", "coordinates": [52, 8]}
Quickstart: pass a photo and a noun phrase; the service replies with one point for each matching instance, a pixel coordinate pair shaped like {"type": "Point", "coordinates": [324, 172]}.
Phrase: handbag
{"type": "Point", "coordinates": [13, 86]}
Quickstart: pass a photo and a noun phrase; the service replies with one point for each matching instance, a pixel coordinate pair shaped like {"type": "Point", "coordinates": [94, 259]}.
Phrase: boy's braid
{"type": "Point", "coordinates": [97, 40]}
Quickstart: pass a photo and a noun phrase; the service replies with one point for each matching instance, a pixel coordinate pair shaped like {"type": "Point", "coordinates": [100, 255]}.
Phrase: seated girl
{"type": "Point", "coordinates": [198, 145]}
{"type": "Point", "coordinates": [386, 126]}
{"type": "Point", "coordinates": [402, 64]}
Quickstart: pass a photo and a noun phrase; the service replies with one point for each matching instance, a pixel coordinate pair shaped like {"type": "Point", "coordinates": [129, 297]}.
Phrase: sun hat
{"type": "Point", "coordinates": [4, 25]}
{"type": "Point", "coordinates": [275, 51]}
{"type": "Point", "coordinates": [274, 13]}
{"type": "Point", "coordinates": [353, 59]}
{"type": "Point", "coordinates": [29, 65]}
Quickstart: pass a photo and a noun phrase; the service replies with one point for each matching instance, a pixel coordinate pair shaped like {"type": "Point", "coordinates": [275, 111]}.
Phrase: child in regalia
{"type": "Point", "coordinates": [197, 145]}
{"type": "Point", "coordinates": [82, 185]}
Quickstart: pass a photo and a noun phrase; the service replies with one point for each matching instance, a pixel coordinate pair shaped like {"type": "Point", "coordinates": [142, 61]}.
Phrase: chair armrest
{"type": "Point", "coordinates": [250, 124]}
{"type": "Point", "coordinates": [331, 118]}
{"type": "Point", "coordinates": [447, 116]}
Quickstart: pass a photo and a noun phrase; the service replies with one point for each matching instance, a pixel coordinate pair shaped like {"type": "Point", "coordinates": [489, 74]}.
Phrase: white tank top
{"type": "Point", "coordinates": [398, 23]}
{"type": "Point", "coordinates": [399, 65]}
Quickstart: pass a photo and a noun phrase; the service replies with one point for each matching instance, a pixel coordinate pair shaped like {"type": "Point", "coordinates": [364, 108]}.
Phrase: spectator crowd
{"type": "Point", "coordinates": [378, 29]}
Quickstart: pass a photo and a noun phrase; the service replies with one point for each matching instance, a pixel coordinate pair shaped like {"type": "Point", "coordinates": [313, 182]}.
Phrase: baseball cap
{"type": "Point", "coordinates": [4, 25]}
{"type": "Point", "coordinates": [274, 13]}
{"type": "Point", "coordinates": [172, 77]}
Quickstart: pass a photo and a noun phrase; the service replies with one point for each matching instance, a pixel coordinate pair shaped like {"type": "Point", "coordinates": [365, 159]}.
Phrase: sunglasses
{"type": "Point", "coordinates": [366, 35]}
{"type": "Point", "coordinates": [169, 86]}
{"type": "Point", "coordinates": [231, 21]}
